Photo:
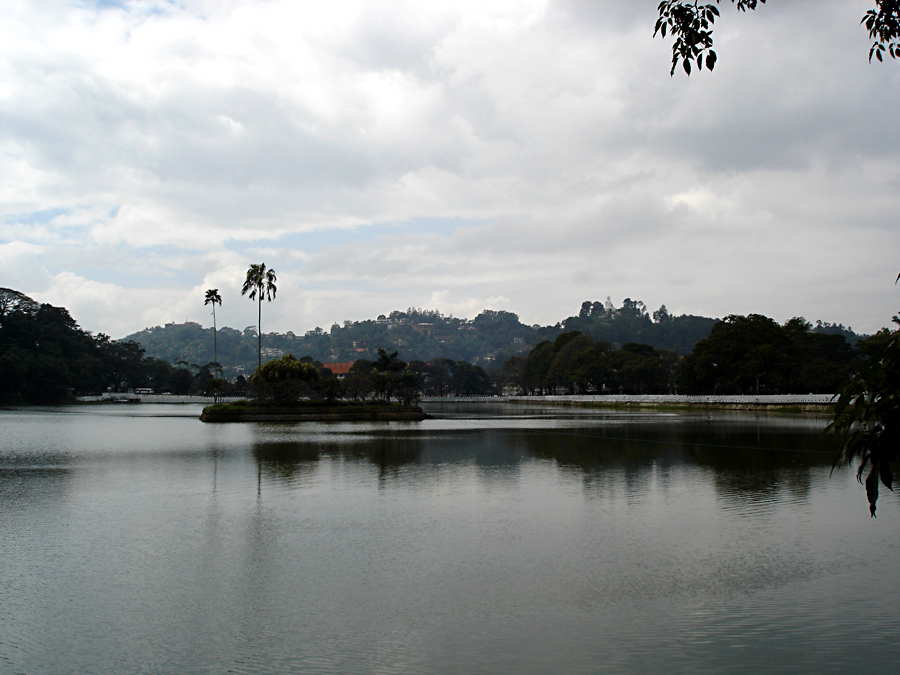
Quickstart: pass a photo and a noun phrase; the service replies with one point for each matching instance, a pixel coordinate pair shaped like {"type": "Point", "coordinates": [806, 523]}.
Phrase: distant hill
{"type": "Point", "coordinates": [419, 334]}
{"type": "Point", "coordinates": [46, 357]}
{"type": "Point", "coordinates": [492, 337]}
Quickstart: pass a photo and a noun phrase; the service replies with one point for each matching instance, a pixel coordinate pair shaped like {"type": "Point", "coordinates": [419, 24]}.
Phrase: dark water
{"type": "Point", "coordinates": [489, 540]}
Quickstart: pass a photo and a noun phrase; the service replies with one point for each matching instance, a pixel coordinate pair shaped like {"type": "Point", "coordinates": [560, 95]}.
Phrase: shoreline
{"type": "Point", "coordinates": [314, 413]}
{"type": "Point", "coordinates": [778, 403]}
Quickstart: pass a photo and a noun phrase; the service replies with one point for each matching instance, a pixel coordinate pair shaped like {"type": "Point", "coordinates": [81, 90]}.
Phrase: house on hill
{"type": "Point", "coordinates": [339, 370]}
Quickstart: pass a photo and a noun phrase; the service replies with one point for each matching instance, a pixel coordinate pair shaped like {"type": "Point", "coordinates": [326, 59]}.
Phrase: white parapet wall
{"type": "Point", "coordinates": [772, 400]}
{"type": "Point", "coordinates": [130, 397]}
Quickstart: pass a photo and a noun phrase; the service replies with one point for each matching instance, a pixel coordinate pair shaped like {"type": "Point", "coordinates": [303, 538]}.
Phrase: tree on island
{"type": "Point", "coordinates": [213, 298]}
{"type": "Point", "coordinates": [284, 381]}
{"type": "Point", "coordinates": [391, 377]}
{"type": "Point", "coordinates": [691, 25]}
{"type": "Point", "coordinates": [260, 283]}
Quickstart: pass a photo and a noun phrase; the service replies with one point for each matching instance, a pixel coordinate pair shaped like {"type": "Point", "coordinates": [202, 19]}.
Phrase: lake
{"type": "Point", "coordinates": [490, 539]}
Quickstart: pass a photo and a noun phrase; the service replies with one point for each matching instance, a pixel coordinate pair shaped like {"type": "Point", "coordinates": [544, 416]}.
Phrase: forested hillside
{"type": "Point", "coordinates": [46, 357]}
{"type": "Point", "coordinates": [489, 339]}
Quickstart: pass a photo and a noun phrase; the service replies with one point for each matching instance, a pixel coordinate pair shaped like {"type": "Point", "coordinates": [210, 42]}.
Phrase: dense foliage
{"type": "Point", "coordinates": [289, 380]}
{"type": "Point", "coordinates": [575, 363]}
{"type": "Point", "coordinates": [488, 340]}
{"type": "Point", "coordinates": [45, 357]}
{"type": "Point", "coordinates": [742, 355]}
{"type": "Point", "coordinates": [285, 380]}
{"type": "Point", "coordinates": [867, 414]}
{"type": "Point", "coordinates": [754, 355]}
{"type": "Point", "coordinates": [633, 323]}
{"type": "Point", "coordinates": [415, 334]}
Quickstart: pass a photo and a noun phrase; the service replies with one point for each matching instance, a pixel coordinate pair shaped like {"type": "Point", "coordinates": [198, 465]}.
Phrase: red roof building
{"type": "Point", "coordinates": [339, 369]}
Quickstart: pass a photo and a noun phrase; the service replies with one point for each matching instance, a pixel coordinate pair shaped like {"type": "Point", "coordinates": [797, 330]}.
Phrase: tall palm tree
{"type": "Point", "coordinates": [260, 283]}
{"type": "Point", "coordinates": [213, 298]}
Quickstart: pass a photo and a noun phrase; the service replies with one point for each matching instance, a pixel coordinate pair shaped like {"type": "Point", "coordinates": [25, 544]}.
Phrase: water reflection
{"type": "Point", "coordinates": [515, 541]}
{"type": "Point", "coordinates": [750, 461]}
{"type": "Point", "coordinates": [287, 462]}
{"type": "Point", "coordinates": [747, 458]}
{"type": "Point", "coordinates": [286, 457]}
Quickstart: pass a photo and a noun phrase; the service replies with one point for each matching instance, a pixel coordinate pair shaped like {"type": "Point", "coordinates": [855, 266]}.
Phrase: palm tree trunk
{"type": "Point", "coordinates": [259, 334]}
{"type": "Point", "coordinates": [215, 343]}
{"type": "Point", "coordinates": [215, 358]}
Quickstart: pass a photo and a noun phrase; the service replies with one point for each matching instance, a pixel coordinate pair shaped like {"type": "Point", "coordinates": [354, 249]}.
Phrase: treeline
{"type": "Point", "coordinates": [45, 357]}
{"type": "Point", "coordinates": [488, 340]}
{"type": "Point", "coordinates": [632, 322]}
{"type": "Point", "coordinates": [288, 379]}
{"type": "Point", "coordinates": [741, 355]}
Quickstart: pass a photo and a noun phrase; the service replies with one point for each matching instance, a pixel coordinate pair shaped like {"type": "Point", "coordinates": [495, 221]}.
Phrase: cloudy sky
{"type": "Point", "coordinates": [457, 155]}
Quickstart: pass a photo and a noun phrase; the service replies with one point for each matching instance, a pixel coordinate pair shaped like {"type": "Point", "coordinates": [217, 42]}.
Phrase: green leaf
{"type": "Point", "coordinates": [872, 490]}
{"type": "Point", "coordinates": [886, 476]}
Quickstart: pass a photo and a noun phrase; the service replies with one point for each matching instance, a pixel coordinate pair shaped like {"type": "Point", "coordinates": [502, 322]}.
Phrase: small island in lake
{"type": "Point", "coordinates": [310, 411]}
{"type": "Point", "coordinates": [292, 390]}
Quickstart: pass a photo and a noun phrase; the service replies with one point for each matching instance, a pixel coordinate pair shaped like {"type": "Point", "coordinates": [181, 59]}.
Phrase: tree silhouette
{"type": "Point", "coordinates": [867, 414]}
{"type": "Point", "coordinates": [690, 24]}
{"type": "Point", "coordinates": [213, 298]}
{"type": "Point", "coordinates": [260, 283]}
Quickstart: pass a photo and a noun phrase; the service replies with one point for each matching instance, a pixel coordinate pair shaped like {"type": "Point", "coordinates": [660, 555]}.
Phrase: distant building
{"type": "Point", "coordinates": [339, 370]}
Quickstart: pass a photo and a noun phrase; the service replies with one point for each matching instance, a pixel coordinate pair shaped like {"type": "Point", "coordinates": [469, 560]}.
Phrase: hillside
{"type": "Point", "coordinates": [416, 334]}
{"type": "Point", "coordinates": [487, 340]}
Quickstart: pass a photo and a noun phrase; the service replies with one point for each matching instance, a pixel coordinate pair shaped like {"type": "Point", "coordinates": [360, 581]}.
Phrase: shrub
{"type": "Point", "coordinates": [284, 381]}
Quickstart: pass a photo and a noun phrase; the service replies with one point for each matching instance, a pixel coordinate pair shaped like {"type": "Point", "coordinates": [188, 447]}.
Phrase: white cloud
{"type": "Point", "coordinates": [154, 150]}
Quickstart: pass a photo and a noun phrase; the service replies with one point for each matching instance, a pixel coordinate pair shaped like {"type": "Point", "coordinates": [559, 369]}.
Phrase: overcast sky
{"type": "Point", "coordinates": [523, 155]}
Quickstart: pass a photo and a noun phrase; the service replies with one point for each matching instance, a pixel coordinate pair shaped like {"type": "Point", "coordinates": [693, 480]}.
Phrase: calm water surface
{"type": "Point", "coordinates": [491, 539]}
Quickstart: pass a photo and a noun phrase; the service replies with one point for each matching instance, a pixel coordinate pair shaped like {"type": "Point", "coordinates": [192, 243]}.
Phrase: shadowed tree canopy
{"type": "Point", "coordinates": [690, 24]}
{"type": "Point", "coordinates": [285, 380]}
{"type": "Point", "coordinates": [867, 414]}
{"type": "Point", "coordinates": [45, 357]}
{"type": "Point", "coordinates": [11, 301]}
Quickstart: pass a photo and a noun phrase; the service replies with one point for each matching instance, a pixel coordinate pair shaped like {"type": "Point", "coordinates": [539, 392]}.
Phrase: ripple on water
{"type": "Point", "coordinates": [526, 545]}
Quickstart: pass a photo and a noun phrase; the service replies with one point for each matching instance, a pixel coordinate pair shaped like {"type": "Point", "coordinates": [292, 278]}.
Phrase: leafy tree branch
{"type": "Point", "coordinates": [690, 24]}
